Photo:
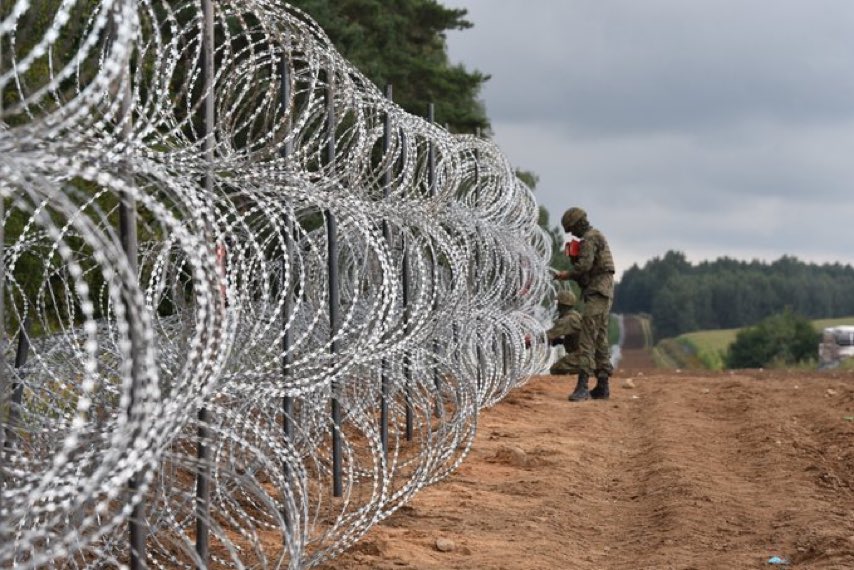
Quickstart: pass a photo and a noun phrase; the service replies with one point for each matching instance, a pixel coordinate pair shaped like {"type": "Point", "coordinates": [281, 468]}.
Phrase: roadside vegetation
{"type": "Point", "coordinates": [779, 341]}
{"type": "Point", "coordinates": [613, 331]}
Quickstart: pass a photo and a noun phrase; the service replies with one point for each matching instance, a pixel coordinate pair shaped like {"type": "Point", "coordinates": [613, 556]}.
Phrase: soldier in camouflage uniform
{"type": "Point", "coordinates": [593, 270]}
{"type": "Point", "coordinates": [566, 331]}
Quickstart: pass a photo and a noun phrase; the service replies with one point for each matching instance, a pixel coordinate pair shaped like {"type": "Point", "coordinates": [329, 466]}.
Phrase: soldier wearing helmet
{"type": "Point", "coordinates": [593, 270]}
{"type": "Point", "coordinates": [565, 331]}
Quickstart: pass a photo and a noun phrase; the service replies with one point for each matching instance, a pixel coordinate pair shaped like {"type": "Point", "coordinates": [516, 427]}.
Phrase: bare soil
{"type": "Point", "coordinates": [684, 470]}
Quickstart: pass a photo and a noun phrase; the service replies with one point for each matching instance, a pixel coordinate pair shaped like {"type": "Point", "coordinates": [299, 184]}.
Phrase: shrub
{"type": "Point", "coordinates": [783, 339]}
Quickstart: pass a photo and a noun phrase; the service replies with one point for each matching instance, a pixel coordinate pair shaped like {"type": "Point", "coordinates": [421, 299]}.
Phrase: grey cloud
{"type": "Point", "coordinates": [664, 65]}
{"type": "Point", "coordinates": [714, 127]}
{"type": "Point", "coordinates": [682, 192]}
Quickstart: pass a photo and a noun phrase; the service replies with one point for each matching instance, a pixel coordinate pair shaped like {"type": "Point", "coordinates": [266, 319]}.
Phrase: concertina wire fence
{"type": "Point", "coordinates": [250, 305]}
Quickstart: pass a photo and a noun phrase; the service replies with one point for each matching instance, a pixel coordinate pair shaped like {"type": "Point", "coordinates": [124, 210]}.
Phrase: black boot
{"type": "Point", "coordinates": [600, 392]}
{"type": "Point", "coordinates": [580, 393]}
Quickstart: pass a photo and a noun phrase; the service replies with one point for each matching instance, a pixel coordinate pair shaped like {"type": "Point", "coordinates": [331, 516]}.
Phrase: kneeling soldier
{"type": "Point", "coordinates": [566, 331]}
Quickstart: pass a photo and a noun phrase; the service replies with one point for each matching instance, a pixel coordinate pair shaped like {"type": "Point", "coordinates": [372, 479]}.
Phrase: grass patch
{"type": "Point", "coordinates": [676, 353]}
{"type": "Point", "coordinates": [824, 323]}
{"type": "Point", "coordinates": [710, 347]}
{"type": "Point", "coordinates": [613, 331]}
{"type": "Point", "coordinates": [710, 341]}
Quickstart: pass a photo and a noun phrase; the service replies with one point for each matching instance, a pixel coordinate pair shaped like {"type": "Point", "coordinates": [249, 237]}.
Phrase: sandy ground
{"type": "Point", "coordinates": [683, 470]}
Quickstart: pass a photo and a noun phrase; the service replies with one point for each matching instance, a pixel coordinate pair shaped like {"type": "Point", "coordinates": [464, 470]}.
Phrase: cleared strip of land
{"type": "Point", "coordinates": [685, 470]}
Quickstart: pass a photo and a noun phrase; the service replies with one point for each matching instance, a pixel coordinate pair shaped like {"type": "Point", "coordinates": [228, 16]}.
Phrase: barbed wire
{"type": "Point", "coordinates": [215, 350]}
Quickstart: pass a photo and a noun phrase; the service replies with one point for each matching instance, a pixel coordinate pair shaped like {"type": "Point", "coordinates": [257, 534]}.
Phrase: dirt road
{"type": "Point", "coordinates": [685, 470]}
{"type": "Point", "coordinates": [635, 350]}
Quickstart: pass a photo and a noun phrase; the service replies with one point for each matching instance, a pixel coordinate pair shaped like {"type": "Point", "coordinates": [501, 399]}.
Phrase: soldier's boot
{"type": "Point", "coordinates": [580, 393]}
{"type": "Point", "coordinates": [600, 392]}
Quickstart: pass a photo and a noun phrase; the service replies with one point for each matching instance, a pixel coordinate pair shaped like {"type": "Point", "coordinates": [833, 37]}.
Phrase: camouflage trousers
{"type": "Point", "coordinates": [593, 354]}
{"type": "Point", "coordinates": [567, 365]}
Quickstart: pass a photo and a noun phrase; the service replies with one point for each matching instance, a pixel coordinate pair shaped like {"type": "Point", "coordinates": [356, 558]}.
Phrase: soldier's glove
{"type": "Point", "coordinates": [556, 341]}
{"type": "Point", "coordinates": [561, 275]}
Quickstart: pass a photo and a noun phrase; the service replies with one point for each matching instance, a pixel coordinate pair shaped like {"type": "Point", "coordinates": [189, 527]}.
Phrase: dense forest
{"type": "Point", "coordinates": [403, 43]}
{"type": "Point", "coordinates": [727, 293]}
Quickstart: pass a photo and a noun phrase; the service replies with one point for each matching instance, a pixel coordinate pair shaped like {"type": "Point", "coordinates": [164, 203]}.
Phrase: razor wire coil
{"type": "Point", "coordinates": [219, 332]}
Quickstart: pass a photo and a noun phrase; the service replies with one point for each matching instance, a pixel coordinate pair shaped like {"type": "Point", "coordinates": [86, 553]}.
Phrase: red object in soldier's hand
{"type": "Point", "coordinates": [527, 341]}
{"type": "Point", "coordinates": [573, 248]}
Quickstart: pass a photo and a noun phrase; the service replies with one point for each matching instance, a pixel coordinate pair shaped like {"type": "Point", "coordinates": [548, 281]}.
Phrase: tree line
{"type": "Point", "coordinates": [728, 293]}
{"type": "Point", "coordinates": [403, 43]}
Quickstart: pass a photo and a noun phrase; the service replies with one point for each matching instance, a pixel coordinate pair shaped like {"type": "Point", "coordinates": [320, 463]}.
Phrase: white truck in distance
{"type": "Point", "coordinates": [837, 343]}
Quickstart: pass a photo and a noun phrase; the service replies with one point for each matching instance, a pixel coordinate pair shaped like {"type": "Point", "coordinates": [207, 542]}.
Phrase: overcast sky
{"type": "Point", "coordinates": [712, 127]}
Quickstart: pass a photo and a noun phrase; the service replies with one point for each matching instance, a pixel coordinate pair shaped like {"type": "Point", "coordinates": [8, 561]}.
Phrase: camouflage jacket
{"type": "Point", "coordinates": [593, 270]}
{"type": "Point", "coordinates": [567, 326]}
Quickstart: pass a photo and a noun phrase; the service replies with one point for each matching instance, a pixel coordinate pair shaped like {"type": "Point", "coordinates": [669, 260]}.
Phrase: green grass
{"type": "Point", "coordinates": [613, 331]}
{"type": "Point", "coordinates": [646, 327]}
{"type": "Point", "coordinates": [710, 341]}
{"type": "Point", "coordinates": [676, 353]}
{"type": "Point", "coordinates": [709, 347]}
{"type": "Point", "coordinates": [824, 323]}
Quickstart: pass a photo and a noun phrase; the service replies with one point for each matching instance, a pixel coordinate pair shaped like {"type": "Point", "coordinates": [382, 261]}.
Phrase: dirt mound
{"type": "Point", "coordinates": [518, 457]}
{"type": "Point", "coordinates": [685, 470]}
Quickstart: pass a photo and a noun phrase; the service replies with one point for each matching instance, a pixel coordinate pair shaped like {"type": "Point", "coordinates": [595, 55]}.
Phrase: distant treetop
{"type": "Point", "coordinates": [402, 42]}
{"type": "Point", "coordinates": [728, 293]}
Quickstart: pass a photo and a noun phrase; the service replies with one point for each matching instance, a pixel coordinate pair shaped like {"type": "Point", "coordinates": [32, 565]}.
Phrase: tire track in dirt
{"type": "Point", "coordinates": [741, 485]}
{"type": "Point", "coordinates": [701, 471]}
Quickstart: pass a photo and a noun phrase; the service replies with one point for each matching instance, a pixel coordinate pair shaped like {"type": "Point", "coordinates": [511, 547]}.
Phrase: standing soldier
{"type": "Point", "coordinates": [593, 270]}
{"type": "Point", "coordinates": [566, 331]}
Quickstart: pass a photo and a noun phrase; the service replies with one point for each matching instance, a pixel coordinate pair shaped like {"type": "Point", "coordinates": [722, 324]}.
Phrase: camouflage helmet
{"type": "Point", "coordinates": [572, 217]}
{"type": "Point", "coordinates": [566, 297]}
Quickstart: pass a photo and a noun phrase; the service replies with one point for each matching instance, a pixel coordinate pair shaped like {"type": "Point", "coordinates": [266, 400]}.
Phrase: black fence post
{"type": "Point", "coordinates": [203, 448]}
{"type": "Point", "coordinates": [129, 241]}
{"type": "Point", "coordinates": [407, 360]}
{"type": "Point", "coordinates": [285, 152]}
{"type": "Point", "coordinates": [384, 380]}
{"type": "Point", "coordinates": [4, 385]}
{"type": "Point", "coordinates": [478, 350]}
{"type": "Point", "coordinates": [334, 301]}
{"type": "Point", "coordinates": [21, 354]}
{"type": "Point", "coordinates": [3, 372]}
{"type": "Point", "coordinates": [439, 407]}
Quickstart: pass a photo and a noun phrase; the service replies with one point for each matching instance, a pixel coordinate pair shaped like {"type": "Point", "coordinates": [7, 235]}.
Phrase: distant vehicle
{"type": "Point", "coordinates": [837, 343]}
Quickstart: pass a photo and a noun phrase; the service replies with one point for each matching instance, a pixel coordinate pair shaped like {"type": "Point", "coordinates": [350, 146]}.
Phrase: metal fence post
{"type": "Point", "coordinates": [203, 450]}
{"type": "Point", "coordinates": [287, 237]}
{"type": "Point", "coordinates": [478, 351]}
{"type": "Point", "coordinates": [407, 360]}
{"type": "Point", "coordinates": [439, 407]}
{"type": "Point", "coordinates": [384, 380]}
{"type": "Point", "coordinates": [129, 240]}
{"type": "Point", "coordinates": [407, 368]}
{"type": "Point", "coordinates": [3, 372]}
{"type": "Point", "coordinates": [21, 354]}
{"type": "Point", "coordinates": [4, 385]}
{"type": "Point", "coordinates": [334, 301]}
{"type": "Point", "coordinates": [284, 152]}
{"type": "Point", "coordinates": [127, 222]}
